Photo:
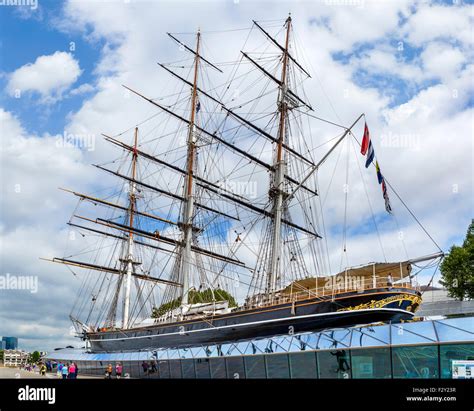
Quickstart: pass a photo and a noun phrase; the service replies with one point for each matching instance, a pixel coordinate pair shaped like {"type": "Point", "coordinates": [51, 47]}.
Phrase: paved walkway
{"type": "Point", "coordinates": [6, 372]}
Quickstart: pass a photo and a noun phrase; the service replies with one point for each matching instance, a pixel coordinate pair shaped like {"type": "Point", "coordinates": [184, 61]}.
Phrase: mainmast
{"type": "Point", "coordinates": [129, 257]}
{"type": "Point", "coordinates": [279, 175]}
{"type": "Point", "coordinates": [188, 187]}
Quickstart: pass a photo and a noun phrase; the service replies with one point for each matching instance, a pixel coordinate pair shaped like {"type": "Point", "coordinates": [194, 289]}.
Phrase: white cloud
{"type": "Point", "coordinates": [33, 212]}
{"type": "Point", "coordinates": [435, 22]}
{"type": "Point", "coordinates": [442, 61]}
{"type": "Point", "coordinates": [82, 89]}
{"type": "Point", "coordinates": [386, 63]}
{"type": "Point", "coordinates": [49, 76]}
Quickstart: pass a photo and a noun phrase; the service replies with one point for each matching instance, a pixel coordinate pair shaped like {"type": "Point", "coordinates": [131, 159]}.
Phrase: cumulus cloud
{"type": "Point", "coordinates": [49, 76]}
{"type": "Point", "coordinates": [439, 22]}
{"type": "Point", "coordinates": [442, 61]}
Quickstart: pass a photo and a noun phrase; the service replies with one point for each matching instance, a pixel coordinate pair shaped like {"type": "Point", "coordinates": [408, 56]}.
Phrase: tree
{"type": "Point", "coordinates": [457, 269]}
{"type": "Point", "coordinates": [34, 357]}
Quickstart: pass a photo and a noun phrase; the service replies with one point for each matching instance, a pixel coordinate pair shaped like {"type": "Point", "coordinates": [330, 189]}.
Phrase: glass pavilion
{"type": "Point", "coordinates": [423, 349]}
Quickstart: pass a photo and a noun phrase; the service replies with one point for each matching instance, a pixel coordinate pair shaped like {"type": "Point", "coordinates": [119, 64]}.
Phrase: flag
{"type": "Point", "coordinates": [370, 155]}
{"type": "Point", "coordinates": [198, 106]}
{"type": "Point", "coordinates": [365, 141]}
{"type": "Point", "coordinates": [388, 207]}
{"type": "Point", "coordinates": [379, 174]}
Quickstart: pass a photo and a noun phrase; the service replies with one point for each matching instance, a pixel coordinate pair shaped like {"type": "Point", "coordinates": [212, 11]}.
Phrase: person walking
{"type": "Point", "coordinates": [153, 367]}
{"type": "Point", "coordinates": [43, 370]}
{"type": "Point", "coordinates": [71, 371]}
{"type": "Point", "coordinates": [60, 370]}
{"type": "Point", "coordinates": [64, 371]}
{"type": "Point", "coordinates": [145, 367]}
{"type": "Point", "coordinates": [108, 371]}
{"type": "Point", "coordinates": [76, 371]}
{"type": "Point", "coordinates": [118, 370]}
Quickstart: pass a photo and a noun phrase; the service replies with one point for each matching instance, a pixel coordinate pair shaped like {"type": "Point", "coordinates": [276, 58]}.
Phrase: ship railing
{"type": "Point", "coordinates": [367, 284]}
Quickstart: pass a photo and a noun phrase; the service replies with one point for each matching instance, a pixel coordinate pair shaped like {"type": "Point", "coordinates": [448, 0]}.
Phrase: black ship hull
{"type": "Point", "coordinates": [312, 314]}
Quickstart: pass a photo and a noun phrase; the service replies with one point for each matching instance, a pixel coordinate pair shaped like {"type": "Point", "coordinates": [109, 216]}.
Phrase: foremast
{"type": "Point", "coordinates": [129, 259]}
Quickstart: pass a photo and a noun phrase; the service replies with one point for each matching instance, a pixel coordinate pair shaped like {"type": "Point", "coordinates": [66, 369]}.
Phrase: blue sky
{"type": "Point", "coordinates": [22, 41]}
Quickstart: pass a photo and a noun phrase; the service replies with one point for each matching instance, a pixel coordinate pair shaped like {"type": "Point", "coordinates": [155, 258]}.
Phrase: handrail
{"type": "Point", "coordinates": [334, 291]}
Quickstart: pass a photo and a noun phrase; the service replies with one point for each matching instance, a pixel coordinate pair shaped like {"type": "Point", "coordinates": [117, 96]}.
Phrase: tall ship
{"type": "Point", "coordinates": [213, 230]}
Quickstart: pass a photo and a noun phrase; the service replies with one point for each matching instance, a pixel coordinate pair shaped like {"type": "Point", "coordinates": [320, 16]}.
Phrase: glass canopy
{"type": "Point", "coordinates": [459, 330]}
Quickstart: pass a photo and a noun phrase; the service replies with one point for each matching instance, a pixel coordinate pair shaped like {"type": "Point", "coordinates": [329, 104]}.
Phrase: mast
{"type": "Point", "coordinates": [188, 187]}
{"type": "Point", "coordinates": [129, 258]}
{"type": "Point", "coordinates": [279, 175]}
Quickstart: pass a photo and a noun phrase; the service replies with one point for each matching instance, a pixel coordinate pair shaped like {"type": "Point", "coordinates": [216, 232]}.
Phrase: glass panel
{"type": "Point", "coordinates": [372, 363]}
{"type": "Point", "coordinates": [277, 366]}
{"type": "Point", "coordinates": [226, 349]}
{"type": "Point", "coordinates": [164, 369]}
{"type": "Point", "coordinates": [415, 362]}
{"type": "Point", "coordinates": [202, 368]}
{"type": "Point", "coordinates": [132, 356]}
{"type": "Point", "coordinates": [143, 355]}
{"type": "Point", "coordinates": [198, 352]}
{"type": "Point", "coordinates": [219, 350]}
{"type": "Point", "coordinates": [235, 367]}
{"type": "Point", "coordinates": [464, 323]}
{"type": "Point", "coordinates": [453, 352]}
{"type": "Point", "coordinates": [217, 366]}
{"type": "Point", "coordinates": [185, 353]}
{"type": "Point", "coordinates": [162, 354]}
{"type": "Point", "coordinates": [270, 347]}
{"type": "Point", "coordinates": [210, 351]}
{"type": "Point", "coordinates": [173, 354]}
{"type": "Point", "coordinates": [413, 333]}
{"type": "Point", "coordinates": [334, 364]}
{"type": "Point", "coordinates": [303, 365]}
{"type": "Point", "coordinates": [334, 340]}
{"type": "Point", "coordinates": [297, 344]}
{"type": "Point", "coordinates": [188, 368]}
{"type": "Point", "coordinates": [258, 346]}
{"type": "Point", "coordinates": [250, 349]}
{"type": "Point", "coordinates": [375, 336]}
{"type": "Point", "coordinates": [310, 341]}
{"type": "Point", "coordinates": [449, 330]}
{"type": "Point", "coordinates": [135, 369]}
{"type": "Point", "coordinates": [343, 337]}
{"type": "Point", "coordinates": [240, 347]}
{"type": "Point", "coordinates": [255, 366]}
{"type": "Point", "coordinates": [175, 369]}
{"type": "Point", "coordinates": [281, 344]}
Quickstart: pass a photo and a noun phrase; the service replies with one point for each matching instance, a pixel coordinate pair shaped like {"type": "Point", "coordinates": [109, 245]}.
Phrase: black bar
{"type": "Point", "coordinates": [90, 394]}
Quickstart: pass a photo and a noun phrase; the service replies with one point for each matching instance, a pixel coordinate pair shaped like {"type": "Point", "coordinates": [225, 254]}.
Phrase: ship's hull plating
{"type": "Point", "coordinates": [347, 309]}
